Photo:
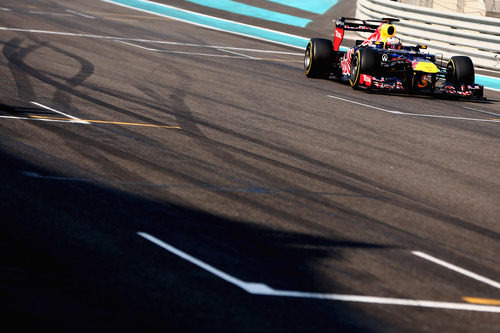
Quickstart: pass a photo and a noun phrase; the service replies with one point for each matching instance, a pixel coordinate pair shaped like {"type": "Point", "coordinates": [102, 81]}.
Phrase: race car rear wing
{"type": "Point", "coordinates": [353, 24]}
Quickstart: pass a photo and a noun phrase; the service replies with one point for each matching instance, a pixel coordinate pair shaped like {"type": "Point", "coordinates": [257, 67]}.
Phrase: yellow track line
{"type": "Point", "coordinates": [108, 122]}
{"type": "Point", "coordinates": [485, 301]}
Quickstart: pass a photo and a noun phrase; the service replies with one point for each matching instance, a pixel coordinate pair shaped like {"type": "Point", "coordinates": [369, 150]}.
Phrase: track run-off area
{"type": "Point", "coordinates": [168, 166]}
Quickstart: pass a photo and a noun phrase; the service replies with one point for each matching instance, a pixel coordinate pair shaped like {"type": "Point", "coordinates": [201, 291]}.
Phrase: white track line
{"type": "Point", "coordinates": [79, 14]}
{"type": "Point", "coordinates": [482, 111]}
{"type": "Point", "coordinates": [239, 54]}
{"type": "Point", "coordinates": [74, 119]}
{"type": "Point", "coordinates": [414, 114]}
{"type": "Point", "coordinates": [185, 52]}
{"type": "Point", "coordinates": [44, 119]}
{"type": "Point", "coordinates": [70, 34]}
{"type": "Point", "coordinates": [457, 269]}
{"type": "Point", "coordinates": [265, 290]}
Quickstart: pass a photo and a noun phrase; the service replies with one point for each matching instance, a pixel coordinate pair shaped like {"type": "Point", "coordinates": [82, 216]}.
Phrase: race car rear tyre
{"type": "Point", "coordinates": [364, 61]}
{"type": "Point", "coordinates": [318, 58]}
{"type": "Point", "coordinates": [460, 70]}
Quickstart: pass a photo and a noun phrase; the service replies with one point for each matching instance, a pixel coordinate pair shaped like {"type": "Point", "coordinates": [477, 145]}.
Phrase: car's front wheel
{"type": "Point", "coordinates": [460, 70]}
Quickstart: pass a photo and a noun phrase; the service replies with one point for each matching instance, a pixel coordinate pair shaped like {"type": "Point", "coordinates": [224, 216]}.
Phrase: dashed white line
{"type": "Point", "coordinates": [457, 269]}
{"type": "Point", "coordinates": [264, 290]}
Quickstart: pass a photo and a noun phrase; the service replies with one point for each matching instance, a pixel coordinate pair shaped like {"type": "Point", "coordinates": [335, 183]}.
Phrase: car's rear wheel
{"type": "Point", "coordinates": [460, 70]}
{"type": "Point", "coordinates": [364, 61]}
{"type": "Point", "coordinates": [318, 58]}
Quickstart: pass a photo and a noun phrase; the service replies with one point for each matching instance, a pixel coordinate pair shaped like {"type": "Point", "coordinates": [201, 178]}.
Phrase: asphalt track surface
{"type": "Point", "coordinates": [162, 176]}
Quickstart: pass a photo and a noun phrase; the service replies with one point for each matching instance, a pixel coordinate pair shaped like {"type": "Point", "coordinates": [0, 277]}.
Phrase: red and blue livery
{"type": "Point", "coordinates": [381, 62]}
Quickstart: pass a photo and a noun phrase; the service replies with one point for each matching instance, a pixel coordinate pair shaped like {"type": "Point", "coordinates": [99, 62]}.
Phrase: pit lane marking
{"type": "Point", "coordinates": [414, 114]}
{"type": "Point", "coordinates": [256, 288]}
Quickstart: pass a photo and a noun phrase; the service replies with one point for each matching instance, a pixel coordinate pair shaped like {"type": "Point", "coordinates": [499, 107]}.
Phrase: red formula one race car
{"type": "Point", "coordinates": [381, 62]}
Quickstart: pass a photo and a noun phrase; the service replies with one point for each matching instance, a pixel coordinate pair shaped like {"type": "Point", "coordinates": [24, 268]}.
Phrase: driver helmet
{"type": "Point", "coordinates": [393, 43]}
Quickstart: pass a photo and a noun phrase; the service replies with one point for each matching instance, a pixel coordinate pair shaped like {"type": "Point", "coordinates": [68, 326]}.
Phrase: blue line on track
{"type": "Point", "coordinates": [487, 81]}
{"type": "Point", "coordinates": [313, 6]}
{"type": "Point", "coordinates": [213, 22]}
{"type": "Point", "coordinates": [252, 11]}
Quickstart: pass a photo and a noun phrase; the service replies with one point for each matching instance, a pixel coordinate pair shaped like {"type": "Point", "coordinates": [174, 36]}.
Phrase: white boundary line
{"type": "Point", "coordinates": [79, 14]}
{"type": "Point", "coordinates": [414, 114]}
{"type": "Point", "coordinates": [188, 53]}
{"type": "Point", "coordinates": [482, 111]}
{"type": "Point", "coordinates": [71, 119]}
{"type": "Point", "coordinates": [457, 269]}
{"type": "Point", "coordinates": [208, 26]}
{"type": "Point", "coordinates": [74, 119]}
{"type": "Point", "coordinates": [264, 290]}
{"type": "Point", "coordinates": [152, 41]}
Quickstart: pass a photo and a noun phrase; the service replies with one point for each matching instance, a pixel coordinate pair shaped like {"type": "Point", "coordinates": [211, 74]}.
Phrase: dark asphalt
{"type": "Point", "coordinates": [256, 172]}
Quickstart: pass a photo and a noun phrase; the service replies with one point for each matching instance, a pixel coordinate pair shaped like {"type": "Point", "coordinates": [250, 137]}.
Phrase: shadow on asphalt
{"type": "Point", "coordinates": [72, 261]}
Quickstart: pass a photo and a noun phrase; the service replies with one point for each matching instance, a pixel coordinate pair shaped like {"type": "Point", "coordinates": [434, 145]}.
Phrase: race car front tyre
{"type": "Point", "coordinates": [364, 61]}
{"type": "Point", "coordinates": [318, 58]}
{"type": "Point", "coordinates": [460, 70]}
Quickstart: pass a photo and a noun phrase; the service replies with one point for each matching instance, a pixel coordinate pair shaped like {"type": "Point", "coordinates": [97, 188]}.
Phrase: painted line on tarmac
{"type": "Point", "coordinates": [313, 6]}
{"type": "Point", "coordinates": [252, 11]}
{"type": "Point", "coordinates": [409, 114]}
{"type": "Point", "coordinates": [186, 53]}
{"type": "Point", "coordinates": [61, 120]}
{"type": "Point", "coordinates": [89, 121]}
{"type": "Point", "coordinates": [213, 23]}
{"type": "Point", "coordinates": [485, 301]}
{"type": "Point", "coordinates": [457, 269]}
{"type": "Point", "coordinates": [491, 83]}
{"type": "Point", "coordinates": [79, 14]}
{"type": "Point", "coordinates": [256, 288]}
{"type": "Point", "coordinates": [482, 111]}
{"type": "Point", "coordinates": [73, 119]}
{"type": "Point", "coordinates": [230, 50]}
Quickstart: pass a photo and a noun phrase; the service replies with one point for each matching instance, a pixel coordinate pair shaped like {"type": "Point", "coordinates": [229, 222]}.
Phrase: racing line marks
{"type": "Point", "coordinates": [262, 289]}
{"type": "Point", "coordinates": [409, 114]}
